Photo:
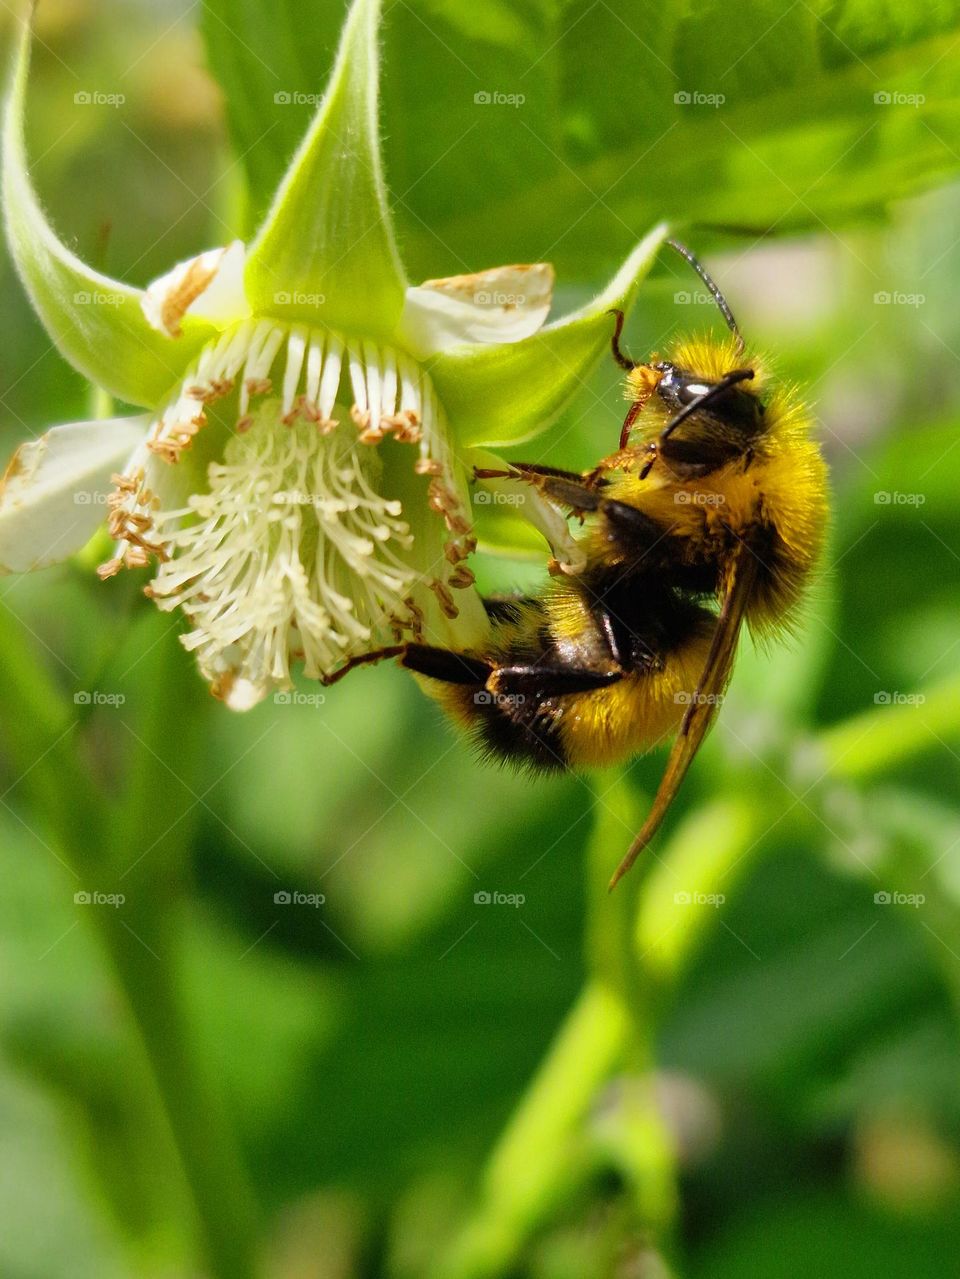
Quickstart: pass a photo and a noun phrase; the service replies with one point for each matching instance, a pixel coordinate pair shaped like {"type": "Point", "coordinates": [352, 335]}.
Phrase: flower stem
{"type": "Point", "coordinates": [538, 1157]}
{"type": "Point", "coordinates": [102, 839]}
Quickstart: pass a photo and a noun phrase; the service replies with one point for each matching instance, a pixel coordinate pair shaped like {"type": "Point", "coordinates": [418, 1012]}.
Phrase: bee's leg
{"type": "Point", "coordinates": [527, 470]}
{"type": "Point", "coordinates": [549, 680]}
{"type": "Point", "coordinates": [445, 664]}
{"type": "Point", "coordinates": [364, 659]}
{"type": "Point", "coordinates": [526, 678]}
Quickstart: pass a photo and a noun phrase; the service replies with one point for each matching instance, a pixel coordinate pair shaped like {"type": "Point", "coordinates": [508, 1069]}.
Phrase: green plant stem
{"type": "Point", "coordinates": [539, 1155]}
{"type": "Point", "coordinates": [642, 1146]}
{"type": "Point", "coordinates": [100, 837]}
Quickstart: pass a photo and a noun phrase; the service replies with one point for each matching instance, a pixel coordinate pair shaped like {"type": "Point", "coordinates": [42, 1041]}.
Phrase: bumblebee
{"type": "Point", "coordinates": [711, 513]}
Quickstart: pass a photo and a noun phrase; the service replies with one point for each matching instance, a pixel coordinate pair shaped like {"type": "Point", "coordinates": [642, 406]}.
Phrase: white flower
{"type": "Point", "coordinates": [299, 485]}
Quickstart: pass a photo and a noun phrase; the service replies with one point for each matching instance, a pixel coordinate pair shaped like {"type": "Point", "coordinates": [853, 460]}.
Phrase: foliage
{"type": "Point", "coordinates": [404, 1081]}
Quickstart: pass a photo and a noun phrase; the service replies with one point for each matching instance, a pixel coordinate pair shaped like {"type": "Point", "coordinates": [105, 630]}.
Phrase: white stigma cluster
{"type": "Point", "coordinates": [290, 551]}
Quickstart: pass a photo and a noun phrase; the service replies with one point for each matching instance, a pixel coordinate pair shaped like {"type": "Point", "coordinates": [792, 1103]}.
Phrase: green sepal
{"type": "Point", "coordinates": [96, 323]}
{"type": "Point", "coordinates": [326, 250]}
{"type": "Point", "coordinates": [505, 393]}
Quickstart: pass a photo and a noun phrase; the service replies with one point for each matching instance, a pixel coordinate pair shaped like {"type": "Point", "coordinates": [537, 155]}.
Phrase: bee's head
{"type": "Point", "coordinates": [726, 400]}
{"type": "Point", "coordinates": [705, 392]}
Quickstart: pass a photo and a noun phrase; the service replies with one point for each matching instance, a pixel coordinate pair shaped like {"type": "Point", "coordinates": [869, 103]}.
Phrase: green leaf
{"type": "Point", "coordinates": [573, 174]}
{"type": "Point", "coordinates": [507, 392]}
{"type": "Point", "coordinates": [328, 232]}
{"type": "Point", "coordinates": [96, 322]}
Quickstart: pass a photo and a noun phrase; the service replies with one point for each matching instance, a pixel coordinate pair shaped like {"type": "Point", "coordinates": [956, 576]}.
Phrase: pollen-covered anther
{"type": "Point", "coordinates": [444, 598]}
{"type": "Point", "coordinates": [258, 386]}
{"type": "Point", "coordinates": [461, 578]}
{"type": "Point", "coordinates": [427, 466]}
{"type": "Point", "coordinates": [403, 426]}
{"type": "Point", "coordinates": [110, 569]}
{"type": "Point", "coordinates": [216, 389]}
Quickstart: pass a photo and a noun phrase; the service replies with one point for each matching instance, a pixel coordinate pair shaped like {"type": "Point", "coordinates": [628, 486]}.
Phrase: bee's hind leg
{"type": "Point", "coordinates": [445, 664]}
{"type": "Point", "coordinates": [364, 659]}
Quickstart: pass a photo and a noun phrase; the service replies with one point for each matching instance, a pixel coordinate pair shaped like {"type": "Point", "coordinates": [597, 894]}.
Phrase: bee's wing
{"type": "Point", "coordinates": [705, 700]}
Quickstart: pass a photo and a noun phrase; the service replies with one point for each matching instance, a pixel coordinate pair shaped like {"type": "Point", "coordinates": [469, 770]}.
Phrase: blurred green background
{"type": "Point", "coordinates": [414, 1083]}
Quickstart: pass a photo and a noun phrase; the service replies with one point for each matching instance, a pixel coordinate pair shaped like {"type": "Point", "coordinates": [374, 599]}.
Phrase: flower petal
{"type": "Point", "coordinates": [54, 492]}
{"type": "Point", "coordinates": [96, 322]}
{"type": "Point", "coordinates": [503, 304]}
{"type": "Point", "coordinates": [329, 234]}
{"type": "Point", "coordinates": [209, 286]}
{"type": "Point", "coordinates": [504, 393]}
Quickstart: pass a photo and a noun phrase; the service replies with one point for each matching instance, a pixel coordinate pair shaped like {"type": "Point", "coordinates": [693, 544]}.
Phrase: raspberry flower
{"type": "Point", "coordinates": [297, 484]}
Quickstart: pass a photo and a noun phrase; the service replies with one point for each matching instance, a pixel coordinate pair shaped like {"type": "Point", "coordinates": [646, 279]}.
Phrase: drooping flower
{"type": "Point", "coordinates": [298, 483]}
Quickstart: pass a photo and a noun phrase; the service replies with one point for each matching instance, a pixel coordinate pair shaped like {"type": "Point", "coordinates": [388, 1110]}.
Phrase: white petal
{"type": "Point", "coordinates": [504, 304]}
{"type": "Point", "coordinates": [209, 286]}
{"type": "Point", "coordinates": [54, 492]}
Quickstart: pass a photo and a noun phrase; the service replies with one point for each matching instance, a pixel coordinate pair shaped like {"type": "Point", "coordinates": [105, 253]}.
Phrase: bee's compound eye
{"type": "Point", "coordinates": [680, 389]}
{"type": "Point", "coordinates": [688, 391]}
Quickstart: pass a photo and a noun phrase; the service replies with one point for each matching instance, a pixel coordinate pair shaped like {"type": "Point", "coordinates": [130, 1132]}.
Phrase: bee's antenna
{"type": "Point", "coordinates": [618, 354]}
{"type": "Point", "coordinates": [714, 291]}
